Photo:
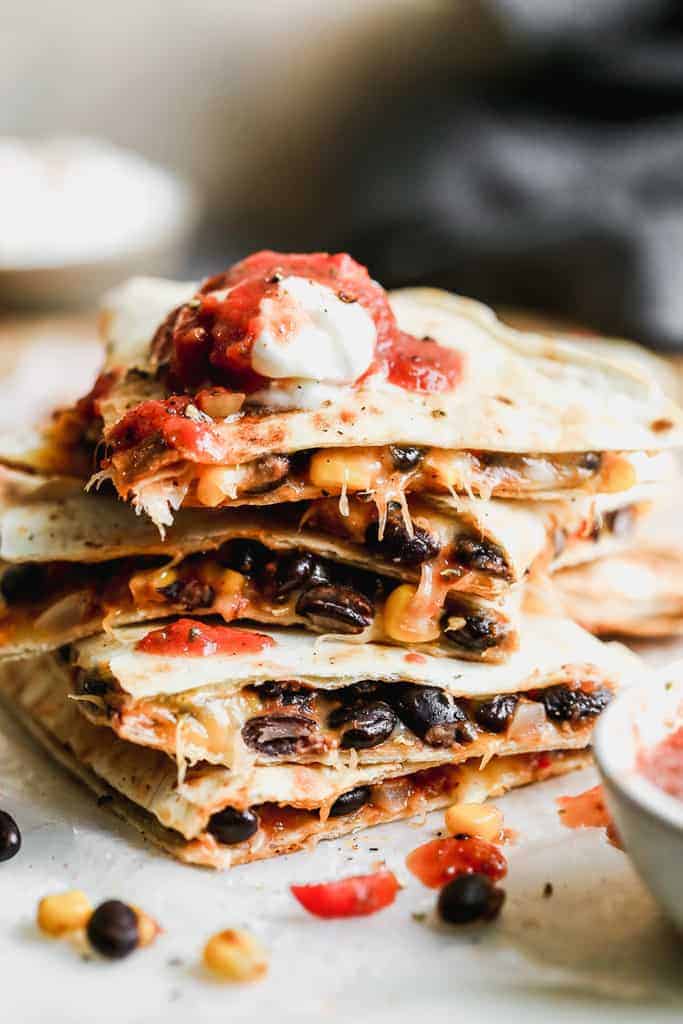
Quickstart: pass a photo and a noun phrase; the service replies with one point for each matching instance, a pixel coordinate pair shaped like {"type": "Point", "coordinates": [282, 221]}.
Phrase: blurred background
{"type": "Point", "coordinates": [526, 152]}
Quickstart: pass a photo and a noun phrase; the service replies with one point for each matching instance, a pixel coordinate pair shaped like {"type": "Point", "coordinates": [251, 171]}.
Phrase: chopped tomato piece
{"type": "Point", "coordinates": [440, 860]}
{"type": "Point", "coordinates": [349, 897]}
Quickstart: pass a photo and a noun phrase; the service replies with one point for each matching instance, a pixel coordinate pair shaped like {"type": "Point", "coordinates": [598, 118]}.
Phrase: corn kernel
{"type": "Point", "coordinates": [217, 483]}
{"type": "Point", "coordinates": [482, 820]}
{"type": "Point", "coordinates": [235, 956]}
{"type": "Point", "coordinates": [64, 912]}
{"type": "Point", "coordinates": [218, 403]}
{"type": "Point", "coordinates": [332, 469]}
{"type": "Point", "coordinates": [402, 623]}
{"type": "Point", "coordinates": [617, 474]}
{"type": "Point", "coordinates": [148, 928]}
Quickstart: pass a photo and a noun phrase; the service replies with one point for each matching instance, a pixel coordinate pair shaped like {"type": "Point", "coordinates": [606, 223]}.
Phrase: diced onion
{"type": "Point", "coordinates": [529, 719]}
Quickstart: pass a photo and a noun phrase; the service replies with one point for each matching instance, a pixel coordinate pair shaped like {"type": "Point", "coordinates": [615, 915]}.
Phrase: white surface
{"type": "Point", "coordinates": [649, 820]}
{"type": "Point", "coordinates": [598, 945]}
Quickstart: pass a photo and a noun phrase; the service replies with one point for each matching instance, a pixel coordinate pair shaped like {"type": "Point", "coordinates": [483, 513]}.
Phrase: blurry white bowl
{"type": "Point", "coordinates": [649, 820]}
{"type": "Point", "coordinates": [79, 215]}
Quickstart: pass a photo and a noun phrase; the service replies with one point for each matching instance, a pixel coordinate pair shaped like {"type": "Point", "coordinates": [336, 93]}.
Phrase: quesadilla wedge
{"type": "Point", "coordinates": [241, 698]}
{"type": "Point", "coordinates": [72, 563]}
{"type": "Point", "coordinates": [637, 593]}
{"type": "Point", "coordinates": [196, 822]}
{"type": "Point", "coordinates": [252, 386]}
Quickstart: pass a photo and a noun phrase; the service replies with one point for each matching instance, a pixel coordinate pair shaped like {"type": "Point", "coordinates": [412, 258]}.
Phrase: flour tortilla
{"type": "Point", "coordinates": [143, 785]}
{"type": "Point", "coordinates": [637, 593]}
{"type": "Point", "coordinates": [547, 645]}
{"type": "Point", "coordinates": [86, 528]}
{"type": "Point", "coordinates": [520, 392]}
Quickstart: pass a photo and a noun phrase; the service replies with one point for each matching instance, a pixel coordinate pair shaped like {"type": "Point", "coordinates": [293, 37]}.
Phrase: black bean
{"type": "Point", "coordinates": [266, 473]}
{"type": "Point", "coordinates": [405, 457]}
{"type": "Point", "coordinates": [336, 607]}
{"type": "Point", "coordinates": [349, 802]}
{"type": "Point", "coordinates": [396, 544]}
{"type": "Point", "coordinates": [621, 521]}
{"type": "Point", "coordinates": [287, 694]}
{"type": "Point", "coordinates": [494, 715]}
{"type": "Point", "coordinates": [470, 898]}
{"type": "Point", "coordinates": [113, 929]}
{"type": "Point", "coordinates": [299, 569]}
{"type": "Point", "coordinates": [362, 692]}
{"type": "Point", "coordinates": [243, 555]}
{"type": "Point", "coordinates": [91, 685]}
{"type": "Point", "coordinates": [590, 460]}
{"type": "Point", "coordinates": [189, 594]}
{"type": "Point", "coordinates": [10, 836]}
{"type": "Point", "coordinates": [481, 554]}
{"type": "Point", "coordinates": [367, 725]}
{"type": "Point", "coordinates": [231, 826]}
{"type": "Point", "coordinates": [22, 582]}
{"type": "Point", "coordinates": [282, 735]}
{"type": "Point", "coordinates": [564, 704]}
{"type": "Point", "coordinates": [431, 714]}
{"type": "Point", "coordinates": [479, 633]}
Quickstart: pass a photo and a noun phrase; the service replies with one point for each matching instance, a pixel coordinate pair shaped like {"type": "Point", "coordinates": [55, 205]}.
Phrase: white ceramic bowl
{"type": "Point", "coordinates": [649, 821]}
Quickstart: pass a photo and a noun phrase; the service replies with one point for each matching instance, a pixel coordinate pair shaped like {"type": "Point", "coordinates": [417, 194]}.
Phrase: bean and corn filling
{"type": "Point", "coordinates": [370, 804]}
{"type": "Point", "coordinates": [290, 721]}
{"type": "Point", "coordinates": [246, 579]}
{"type": "Point", "coordinates": [384, 471]}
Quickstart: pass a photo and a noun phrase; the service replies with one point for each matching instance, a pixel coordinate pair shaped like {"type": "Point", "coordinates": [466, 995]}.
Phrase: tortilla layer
{"type": "Point", "coordinates": [144, 793]}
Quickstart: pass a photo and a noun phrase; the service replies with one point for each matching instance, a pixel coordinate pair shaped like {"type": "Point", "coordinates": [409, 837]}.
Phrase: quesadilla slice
{"type": "Point", "coordinates": [241, 698]}
{"type": "Point", "coordinates": [294, 377]}
{"type": "Point", "coordinates": [438, 576]}
{"type": "Point", "coordinates": [197, 823]}
{"type": "Point", "coordinates": [638, 593]}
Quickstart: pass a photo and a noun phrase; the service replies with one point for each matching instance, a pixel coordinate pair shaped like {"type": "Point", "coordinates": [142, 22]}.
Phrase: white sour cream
{"type": "Point", "coordinates": [334, 341]}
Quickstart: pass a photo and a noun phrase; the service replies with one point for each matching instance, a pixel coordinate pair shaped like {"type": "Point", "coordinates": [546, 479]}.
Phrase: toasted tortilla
{"type": "Point", "coordinates": [143, 786]}
{"type": "Point", "coordinates": [637, 593]}
{"type": "Point", "coordinates": [520, 394]}
{"type": "Point", "coordinates": [87, 530]}
{"type": "Point", "coordinates": [547, 646]}
{"type": "Point", "coordinates": [55, 523]}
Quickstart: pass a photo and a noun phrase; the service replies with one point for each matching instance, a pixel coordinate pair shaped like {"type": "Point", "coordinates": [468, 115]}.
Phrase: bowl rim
{"type": "Point", "coordinates": [616, 739]}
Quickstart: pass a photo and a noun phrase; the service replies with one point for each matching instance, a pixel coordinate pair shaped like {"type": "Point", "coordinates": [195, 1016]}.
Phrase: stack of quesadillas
{"type": "Point", "coordinates": [313, 623]}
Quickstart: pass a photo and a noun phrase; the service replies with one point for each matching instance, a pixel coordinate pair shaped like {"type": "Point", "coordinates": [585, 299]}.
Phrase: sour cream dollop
{"type": "Point", "coordinates": [309, 333]}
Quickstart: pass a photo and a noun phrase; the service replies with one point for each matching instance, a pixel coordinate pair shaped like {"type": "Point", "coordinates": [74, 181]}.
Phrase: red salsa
{"type": "Point", "coordinates": [663, 764]}
{"type": "Point", "coordinates": [441, 860]}
{"type": "Point", "coordinates": [211, 338]}
{"type": "Point", "coordinates": [189, 638]}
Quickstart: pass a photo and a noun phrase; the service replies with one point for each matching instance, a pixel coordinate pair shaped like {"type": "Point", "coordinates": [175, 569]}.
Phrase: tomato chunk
{"type": "Point", "coordinates": [440, 860]}
{"type": "Point", "coordinates": [349, 897]}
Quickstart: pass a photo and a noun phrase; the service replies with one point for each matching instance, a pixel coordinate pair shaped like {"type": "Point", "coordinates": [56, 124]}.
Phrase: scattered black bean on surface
{"type": "Point", "coordinates": [231, 826]}
{"type": "Point", "coordinates": [113, 929]}
{"type": "Point", "coordinates": [350, 802]}
{"type": "Point", "coordinates": [469, 898]}
{"type": "Point", "coordinates": [10, 836]}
